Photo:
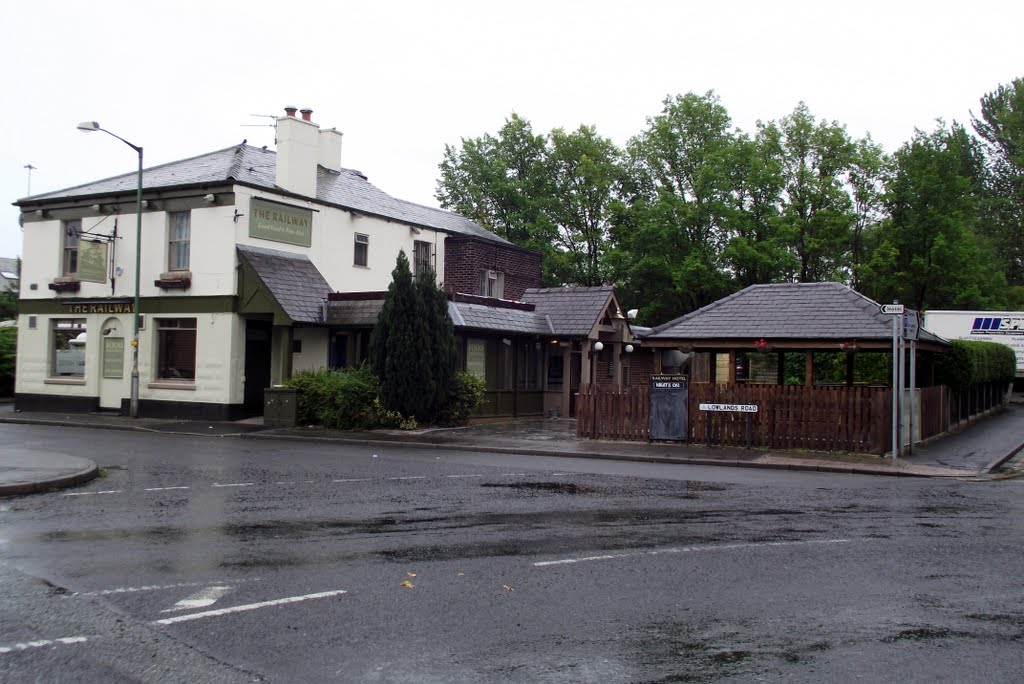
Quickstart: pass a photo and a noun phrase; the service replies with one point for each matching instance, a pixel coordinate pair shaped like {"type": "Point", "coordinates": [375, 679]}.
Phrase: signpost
{"type": "Point", "coordinates": [896, 311]}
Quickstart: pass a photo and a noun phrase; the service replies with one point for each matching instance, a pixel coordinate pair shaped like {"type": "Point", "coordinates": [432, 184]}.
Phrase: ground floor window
{"type": "Point", "coordinates": [67, 359]}
{"type": "Point", "coordinates": [176, 348]}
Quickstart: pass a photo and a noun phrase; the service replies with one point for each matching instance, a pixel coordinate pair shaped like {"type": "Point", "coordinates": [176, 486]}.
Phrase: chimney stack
{"type": "Point", "coordinates": [290, 111]}
{"type": "Point", "coordinates": [307, 114]}
{"type": "Point", "coordinates": [301, 147]}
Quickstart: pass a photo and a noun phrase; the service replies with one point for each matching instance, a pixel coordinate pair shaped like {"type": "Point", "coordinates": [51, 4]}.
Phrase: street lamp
{"type": "Point", "coordinates": [89, 127]}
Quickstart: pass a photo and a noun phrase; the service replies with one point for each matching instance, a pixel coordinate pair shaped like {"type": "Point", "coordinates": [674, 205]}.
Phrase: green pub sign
{"type": "Point", "coordinates": [280, 223]}
{"type": "Point", "coordinates": [113, 357]}
{"type": "Point", "coordinates": [92, 261]}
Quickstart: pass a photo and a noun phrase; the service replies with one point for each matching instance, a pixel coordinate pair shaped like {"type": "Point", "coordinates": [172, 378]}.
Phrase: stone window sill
{"type": "Point", "coordinates": [173, 385]}
{"type": "Point", "coordinates": [64, 381]}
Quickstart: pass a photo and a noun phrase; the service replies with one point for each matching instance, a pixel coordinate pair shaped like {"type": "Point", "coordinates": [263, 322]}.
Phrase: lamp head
{"type": "Point", "coordinates": [89, 126]}
{"type": "Point", "coordinates": [598, 346]}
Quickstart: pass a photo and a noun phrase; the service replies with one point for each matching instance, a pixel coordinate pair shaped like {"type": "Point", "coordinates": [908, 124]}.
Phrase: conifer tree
{"type": "Point", "coordinates": [440, 340]}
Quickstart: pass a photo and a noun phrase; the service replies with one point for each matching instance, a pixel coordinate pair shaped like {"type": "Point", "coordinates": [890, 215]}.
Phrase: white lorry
{"type": "Point", "coordinates": [1004, 327]}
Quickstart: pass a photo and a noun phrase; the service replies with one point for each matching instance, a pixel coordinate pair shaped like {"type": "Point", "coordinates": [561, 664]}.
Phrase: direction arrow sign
{"type": "Point", "coordinates": [892, 308]}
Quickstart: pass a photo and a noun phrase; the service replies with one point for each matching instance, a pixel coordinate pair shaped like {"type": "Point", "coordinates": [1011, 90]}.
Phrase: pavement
{"type": "Point", "coordinates": [988, 445]}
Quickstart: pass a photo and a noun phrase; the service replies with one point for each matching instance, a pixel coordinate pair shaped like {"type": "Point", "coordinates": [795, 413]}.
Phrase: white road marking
{"type": "Point", "coordinates": [107, 491]}
{"type": "Point", "coordinates": [161, 587]}
{"type": "Point", "coordinates": [24, 646]}
{"type": "Point", "coordinates": [247, 607]}
{"type": "Point", "coordinates": [163, 489]}
{"type": "Point", "coordinates": [234, 484]}
{"type": "Point", "coordinates": [458, 476]}
{"type": "Point", "coordinates": [200, 599]}
{"type": "Point", "coordinates": [354, 479]}
{"type": "Point", "coordinates": [686, 549]}
{"type": "Point", "coordinates": [409, 477]}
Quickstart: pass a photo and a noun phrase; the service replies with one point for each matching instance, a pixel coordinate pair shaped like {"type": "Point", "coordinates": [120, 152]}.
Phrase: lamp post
{"type": "Point", "coordinates": [89, 127]}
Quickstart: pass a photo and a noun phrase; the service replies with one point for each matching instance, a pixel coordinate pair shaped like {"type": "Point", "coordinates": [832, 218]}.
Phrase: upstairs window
{"type": "Point", "coordinates": [69, 258]}
{"type": "Point", "coordinates": [421, 257]}
{"type": "Point", "coordinates": [178, 245]}
{"type": "Point", "coordinates": [362, 250]}
{"type": "Point", "coordinates": [492, 284]}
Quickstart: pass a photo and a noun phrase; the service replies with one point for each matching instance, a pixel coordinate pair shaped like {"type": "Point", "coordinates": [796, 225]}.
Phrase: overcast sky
{"type": "Point", "coordinates": [402, 79]}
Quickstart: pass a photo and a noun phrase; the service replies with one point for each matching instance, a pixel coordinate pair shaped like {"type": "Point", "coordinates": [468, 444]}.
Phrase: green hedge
{"type": "Point", "coordinates": [971, 362]}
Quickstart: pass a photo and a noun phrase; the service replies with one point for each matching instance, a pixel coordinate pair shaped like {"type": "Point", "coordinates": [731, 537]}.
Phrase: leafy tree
{"type": "Point", "coordinates": [926, 253]}
{"type": "Point", "coordinates": [586, 172]}
{"type": "Point", "coordinates": [817, 214]}
{"type": "Point", "coordinates": [673, 231]}
{"type": "Point", "coordinates": [503, 183]}
{"type": "Point", "coordinates": [1001, 129]}
{"type": "Point", "coordinates": [399, 353]}
{"type": "Point", "coordinates": [868, 170]}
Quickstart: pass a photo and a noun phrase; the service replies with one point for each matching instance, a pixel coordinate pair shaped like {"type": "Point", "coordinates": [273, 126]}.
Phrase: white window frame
{"type": "Point", "coordinates": [492, 284]}
{"type": "Point", "coordinates": [174, 240]}
{"type": "Point", "coordinates": [361, 248]}
{"type": "Point", "coordinates": [71, 235]}
{"type": "Point", "coordinates": [68, 329]}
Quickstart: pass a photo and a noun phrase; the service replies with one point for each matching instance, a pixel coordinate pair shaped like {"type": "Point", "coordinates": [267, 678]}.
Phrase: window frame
{"type": "Point", "coordinates": [72, 235]}
{"type": "Point", "coordinates": [361, 250]}
{"type": "Point", "coordinates": [69, 329]}
{"type": "Point", "coordinates": [167, 328]}
{"type": "Point", "coordinates": [419, 261]}
{"type": "Point", "coordinates": [174, 242]}
{"type": "Point", "coordinates": [488, 276]}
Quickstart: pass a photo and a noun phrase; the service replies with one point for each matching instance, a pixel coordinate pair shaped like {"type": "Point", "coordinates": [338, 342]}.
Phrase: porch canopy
{"type": "Point", "coordinates": [747, 326]}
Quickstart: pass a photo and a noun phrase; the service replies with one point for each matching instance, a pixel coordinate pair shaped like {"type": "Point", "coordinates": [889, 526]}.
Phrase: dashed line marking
{"type": "Point", "coordinates": [408, 477]}
{"type": "Point", "coordinates": [686, 549]}
{"type": "Point", "coordinates": [454, 477]}
{"type": "Point", "coordinates": [163, 489]}
{"type": "Point", "coordinates": [24, 646]}
{"type": "Point", "coordinates": [162, 587]}
{"type": "Point", "coordinates": [248, 607]}
{"type": "Point", "coordinates": [106, 491]}
{"type": "Point", "coordinates": [234, 484]}
{"type": "Point", "coordinates": [200, 599]}
{"type": "Point", "coordinates": [353, 479]}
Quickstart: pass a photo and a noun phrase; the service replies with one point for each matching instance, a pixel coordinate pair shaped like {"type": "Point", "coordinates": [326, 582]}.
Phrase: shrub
{"type": "Point", "coordinates": [8, 355]}
{"type": "Point", "coordinates": [973, 362]}
{"type": "Point", "coordinates": [339, 398]}
{"type": "Point", "coordinates": [466, 393]}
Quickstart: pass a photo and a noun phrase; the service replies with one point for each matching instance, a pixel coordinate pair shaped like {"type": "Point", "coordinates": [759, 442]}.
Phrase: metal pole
{"type": "Point", "coordinates": [903, 382]}
{"type": "Point", "coordinates": [895, 380]}
{"type": "Point", "coordinates": [134, 405]}
{"type": "Point", "coordinates": [913, 392]}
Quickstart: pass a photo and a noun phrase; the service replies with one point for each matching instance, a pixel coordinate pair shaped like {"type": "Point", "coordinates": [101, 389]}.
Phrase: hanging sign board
{"type": "Point", "coordinates": [92, 261]}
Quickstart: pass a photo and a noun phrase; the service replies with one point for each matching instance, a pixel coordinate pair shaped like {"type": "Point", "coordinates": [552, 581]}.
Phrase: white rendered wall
{"type": "Point", "coordinates": [314, 354]}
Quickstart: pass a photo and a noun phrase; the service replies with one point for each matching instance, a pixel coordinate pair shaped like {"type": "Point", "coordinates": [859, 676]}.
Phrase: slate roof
{"type": "Point", "coordinates": [512, 321]}
{"type": "Point", "coordinates": [791, 311]}
{"type": "Point", "coordinates": [256, 167]}
{"type": "Point", "coordinates": [8, 266]}
{"type": "Point", "coordinates": [360, 313]}
{"type": "Point", "coordinates": [291, 279]}
{"type": "Point", "coordinates": [572, 310]}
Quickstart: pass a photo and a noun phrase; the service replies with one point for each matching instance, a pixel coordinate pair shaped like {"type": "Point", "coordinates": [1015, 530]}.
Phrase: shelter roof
{"type": "Point", "coordinates": [292, 279]}
{"type": "Point", "coordinates": [574, 311]}
{"type": "Point", "coordinates": [786, 311]}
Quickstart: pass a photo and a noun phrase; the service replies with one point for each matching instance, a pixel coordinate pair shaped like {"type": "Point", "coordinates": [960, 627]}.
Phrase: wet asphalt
{"type": "Point", "coordinates": [206, 559]}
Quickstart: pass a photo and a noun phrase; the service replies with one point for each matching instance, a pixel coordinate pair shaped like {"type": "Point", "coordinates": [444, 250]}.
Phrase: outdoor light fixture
{"type": "Point", "coordinates": [89, 127]}
{"type": "Point", "coordinates": [598, 346]}
{"type": "Point", "coordinates": [629, 349]}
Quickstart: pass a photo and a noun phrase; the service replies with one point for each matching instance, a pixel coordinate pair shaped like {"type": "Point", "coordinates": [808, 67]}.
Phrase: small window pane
{"type": "Point", "coordinates": [362, 248]}
{"type": "Point", "coordinates": [69, 260]}
{"type": "Point", "coordinates": [180, 239]}
{"type": "Point", "coordinates": [176, 348]}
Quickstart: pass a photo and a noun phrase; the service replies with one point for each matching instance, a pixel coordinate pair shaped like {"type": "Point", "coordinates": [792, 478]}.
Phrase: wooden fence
{"type": "Point", "coordinates": [795, 417]}
{"type": "Point", "coordinates": [855, 419]}
{"type": "Point", "coordinates": [613, 413]}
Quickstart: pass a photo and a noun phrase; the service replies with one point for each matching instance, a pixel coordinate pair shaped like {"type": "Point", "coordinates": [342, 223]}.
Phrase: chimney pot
{"type": "Point", "coordinates": [290, 111]}
{"type": "Point", "coordinates": [307, 113]}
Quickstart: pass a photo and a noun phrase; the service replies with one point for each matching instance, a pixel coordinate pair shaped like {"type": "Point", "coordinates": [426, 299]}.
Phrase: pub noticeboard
{"type": "Point", "coordinates": [113, 357]}
{"type": "Point", "coordinates": [669, 414]}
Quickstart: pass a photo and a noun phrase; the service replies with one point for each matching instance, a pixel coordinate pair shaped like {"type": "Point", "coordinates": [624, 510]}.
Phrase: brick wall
{"type": "Point", "coordinates": [464, 258]}
{"type": "Point", "coordinates": [641, 367]}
